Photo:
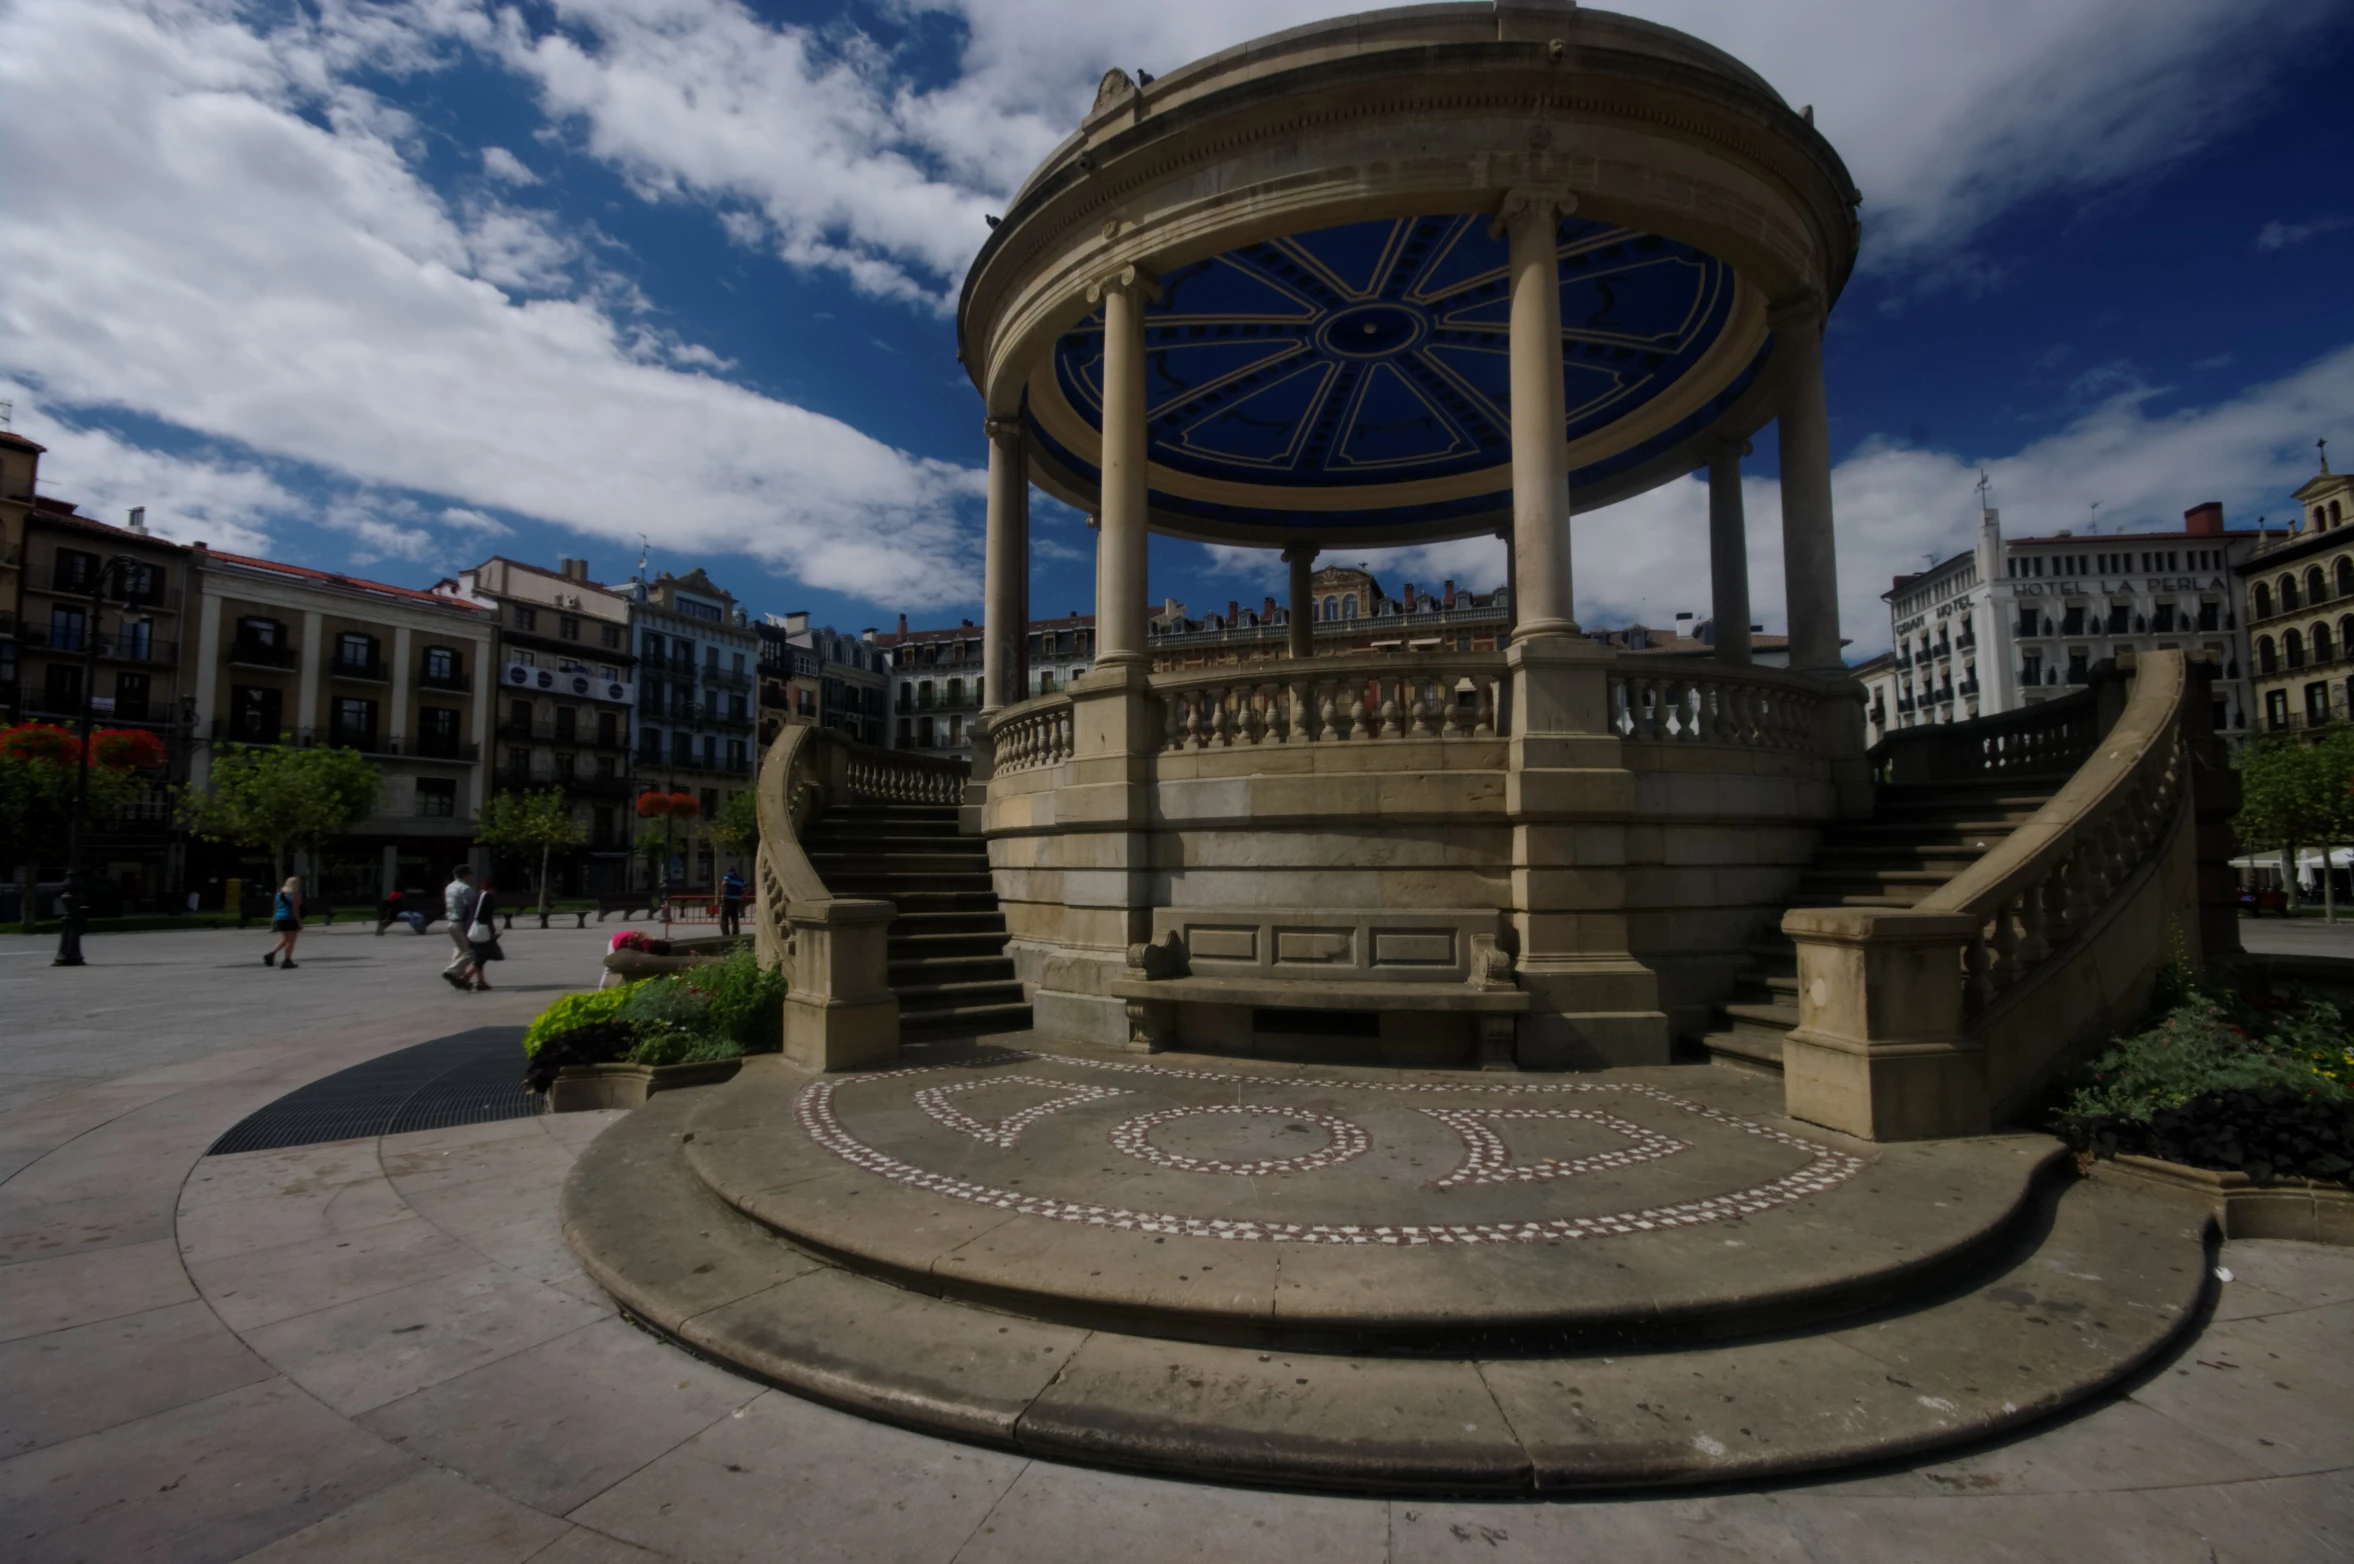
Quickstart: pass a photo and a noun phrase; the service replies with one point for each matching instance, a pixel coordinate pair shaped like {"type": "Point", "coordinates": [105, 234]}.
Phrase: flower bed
{"type": "Point", "coordinates": [718, 1011]}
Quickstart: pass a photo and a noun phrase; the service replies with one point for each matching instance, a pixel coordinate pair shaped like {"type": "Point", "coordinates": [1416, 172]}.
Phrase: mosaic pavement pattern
{"type": "Point", "coordinates": [1205, 1153]}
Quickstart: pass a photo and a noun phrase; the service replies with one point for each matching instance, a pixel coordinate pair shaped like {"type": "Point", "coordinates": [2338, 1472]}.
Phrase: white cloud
{"type": "Point", "coordinates": [205, 226]}
{"type": "Point", "coordinates": [505, 167]}
{"type": "Point", "coordinates": [229, 505]}
{"type": "Point", "coordinates": [2278, 235]}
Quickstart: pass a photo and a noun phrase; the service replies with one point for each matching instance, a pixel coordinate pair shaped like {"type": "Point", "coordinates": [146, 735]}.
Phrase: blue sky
{"type": "Point", "coordinates": [385, 288]}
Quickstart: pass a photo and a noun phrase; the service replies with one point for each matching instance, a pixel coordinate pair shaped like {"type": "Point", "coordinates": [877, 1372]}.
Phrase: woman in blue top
{"type": "Point", "coordinates": [286, 918]}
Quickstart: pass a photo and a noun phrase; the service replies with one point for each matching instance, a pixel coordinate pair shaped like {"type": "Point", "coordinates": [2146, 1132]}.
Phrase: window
{"type": "Point", "coordinates": [2031, 669]}
{"type": "Point", "coordinates": [2292, 646]}
{"type": "Point", "coordinates": [682, 749]}
{"type": "Point", "coordinates": [2276, 709]}
{"type": "Point", "coordinates": [355, 653]}
{"type": "Point", "coordinates": [255, 633]}
{"type": "Point", "coordinates": [601, 832]}
{"type": "Point", "coordinates": [518, 765]}
{"type": "Point", "coordinates": [66, 629]}
{"type": "Point", "coordinates": [2316, 586]}
{"type": "Point", "coordinates": [441, 665]}
{"type": "Point", "coordinates": [75, 571]}
{"type": "Point", "coordinates": [2346, 575]}
{"type": "Point", "coordinates": [609, 635]}
{"type": "Point", "coordinates": [740, 659]}
{"type": "Point", "coordinates": [608, 728]}
{"type": "Point", "coordinates": [2262, 597]}
{"type": "Point", "coordinates": [2210, 616]}
{"type": "Point", "coordinates": [519, 717]}
{"type": "Point", "coordinates": [565, 765]}
{"type": "Point", "coordinates": [567, 721]}
{"type": "Point", "coordinates": [606, 770]}
{"type": "Point", "coordinates": [568, 626]}
{"type": "Point", "coordinates": [2288, 592]}
{"type": "Point", "coordinates": [653, 647]}
{"type": "Point", "coordinates": [437, 797]}
{"type": "Point", "coordinates": [141, 583]}
{"type": "Point", "coordinates": [2120, 618]}
{"type": "Point", "coordinates": [1348, 608]}
{"type": "Point", "coordinates": [2162, 618]}
{"type": "Point", "coordinates": [254, 714]}
{"type": "Point", "coordinates": [526, 617]}
{"type": "Point", "coordinates": [63, 690]}
{"type": "Point", "coordinates": [131, 696]}
{"type": "Point", "coordinates": [735, 754]}
{"type": "Point", "coordinates": [2072, 620]}
{"type": "Point", "coordinates": [710, 802]}
{"type": "Point", "coordinates": [2321, 643]}
{"type": "Point", "coordinates": [2027, 619]}
{"type": "Point", "coordinates": [355, 723]}
{"type": "Point", "coordinates": [2267, 656]}
{"type": "Point", "coordinates": [2316, 704]}
{"type": "Point", "coordinates": [437, 732]}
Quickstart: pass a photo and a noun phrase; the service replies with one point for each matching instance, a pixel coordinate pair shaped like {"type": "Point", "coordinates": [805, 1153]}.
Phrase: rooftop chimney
{"type": "Point", "coordinates": [1409, 597]}
{"type": "Point", "coordinates": [1267, 612]}
{"type": "Point", "coordinates": [138, 521]}
{"type": "Point", "coordinates": [2204, 520]}
{"type": "Point", "coordinates": [1450, 591]}
{"type": "Point", "coordinates": [903, 624]}
{"type": "Point", "coordinates": [1233, 613]}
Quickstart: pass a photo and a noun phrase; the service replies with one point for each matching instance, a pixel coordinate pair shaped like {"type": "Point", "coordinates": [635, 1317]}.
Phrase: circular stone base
{"type": "Point", "coordinates": [2086, 1287]}
{"type": "Point", "coordinates": [1248, 1202]}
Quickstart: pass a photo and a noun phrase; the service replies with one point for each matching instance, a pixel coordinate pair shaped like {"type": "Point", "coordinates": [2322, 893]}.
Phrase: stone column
{"type": "Point", "coordinates": [1119, 620]}
{"type": "Point", "coordinates": [1005, 564]}
{"type": "Point", "coordinates": [1810, 564]}
{"type": "Point", "coordinates": [1541, 592]}
{"type": "Point", "coordinates": [1302, 559]}
{"type": "Point", "coordinates": [1728, 552]}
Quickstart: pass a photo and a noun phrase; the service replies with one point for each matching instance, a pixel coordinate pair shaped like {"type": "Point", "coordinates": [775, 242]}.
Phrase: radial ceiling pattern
{"type": "Point", "coordinates": [1377, 353]}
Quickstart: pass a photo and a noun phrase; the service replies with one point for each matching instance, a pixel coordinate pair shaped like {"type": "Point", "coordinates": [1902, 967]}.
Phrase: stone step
{"type": "Point", "coordinates": [955, 992]}
{"type": "Point", "coordinates": [1777, 1017]}
{"type": "Point", "coordinates": [2090, 1285]}
{"type": "Point", "coordinates": [1754, 1050]}
{"type": "Point", "coordinates": [919, 922]}
{"type": "Point", "coordinates": [973, 1020]}
{"type": "Point", "coordinates": [1859, 899]}
{"type": "Point", "coordinates": [972, 966]}
{"type": "Point", "coordinates": [916, 947]}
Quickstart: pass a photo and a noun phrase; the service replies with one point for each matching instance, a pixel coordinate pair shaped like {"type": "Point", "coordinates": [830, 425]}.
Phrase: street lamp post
{"type": "Point", "coordinates": [69, 926]}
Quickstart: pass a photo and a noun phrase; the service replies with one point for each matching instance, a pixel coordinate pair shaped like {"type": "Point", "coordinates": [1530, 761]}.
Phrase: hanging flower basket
{"type": "Point", "coordinates": [41, 742]}
{"type": "Point", "coordinates": [126, 749]}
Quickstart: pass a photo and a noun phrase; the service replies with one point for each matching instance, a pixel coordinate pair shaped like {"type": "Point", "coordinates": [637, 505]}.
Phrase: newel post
{"type": "Point", "coordinates": [1880, 1051]}
{"type": "Point", "coordinates": [840, 1013]}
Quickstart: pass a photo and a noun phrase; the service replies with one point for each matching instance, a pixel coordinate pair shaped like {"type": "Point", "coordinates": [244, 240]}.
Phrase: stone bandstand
{"type": "Point", "coordinates": [1432, 1068]}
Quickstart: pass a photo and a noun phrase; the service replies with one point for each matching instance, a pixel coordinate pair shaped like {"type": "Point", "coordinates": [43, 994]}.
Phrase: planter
{"type": "Point", "coordinates": [584, 1088]}
{"type": "Point", "coordinates": [2285, 1208]}
{"type": "Point", "coordinates": [669, 956]}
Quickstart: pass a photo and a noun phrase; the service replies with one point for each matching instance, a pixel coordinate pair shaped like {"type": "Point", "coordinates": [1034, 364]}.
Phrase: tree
{"type": "Point", "coordinates": [280, 799]}
{"type": "Point", "coordinates": [37, 765]}
{"type": "Point", "coordinates": [677, 812]}
{"type": "Point", "coordinates": [519, 822]}
{"type": "Point", "coordinates": [736, 828]}
{"type": "Point", "coordinates": [2294, 795]}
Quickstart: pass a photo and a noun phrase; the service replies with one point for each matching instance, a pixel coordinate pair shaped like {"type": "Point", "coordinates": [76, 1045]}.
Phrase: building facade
{"type": "Point", "coordinates": [698, 658]}
{"type": "Point", "coordinates": [1060, 650]}
{"type": "Point", "coordinates": [2300, 599]}
{"type": "Point", "coordinates": [935, 687]}
{"type": "Point", "coordinates": [91, 618]}
{"type": "Point", "coordinates": [1352, 613]}
{"type": "Point", "coordinates": [820, 675]}
{"type": "Point", "coordinates": [566, 693]}
{"type": "Point", "coordinates": [2018, 620]}
{"type": "Point", "coordinates": [288, 655]}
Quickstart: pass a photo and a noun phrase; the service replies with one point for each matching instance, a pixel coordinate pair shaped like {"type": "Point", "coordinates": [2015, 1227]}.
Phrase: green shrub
{"type": "Point", "coordinates": [2195, 1050]}
{"type": "Point", "coordinates": [746, 1002]}
{"type": "Point", "coordinates": [576, 1010]}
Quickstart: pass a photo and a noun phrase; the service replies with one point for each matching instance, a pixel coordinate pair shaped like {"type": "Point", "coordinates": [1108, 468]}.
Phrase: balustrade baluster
{"type": "Point", "coordinates": [1175, 736]}
{"type": "Point", "coordinates": [2002, 947]}
{"type": "Point", "coordinates": [1389, 709]}
{"type": "Point", "coordinates": [1303, 713]}
{"type": "Point", "coordinates": [1977, 975]}
{"type": "Point", "coordinates": [1221, 721]}
{"type": "Point", "coordinates": [1484, 716]}
{"type": "Point", "coordinates": [1195, 737]}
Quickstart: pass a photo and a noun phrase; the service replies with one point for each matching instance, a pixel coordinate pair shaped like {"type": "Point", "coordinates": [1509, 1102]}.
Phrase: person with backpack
{"type": "Point", "coordinates": [731, 904]}
{"type": "Point", "coordinates": [482, 936]}
{"type": "Point", "coordinates": [286, 918]}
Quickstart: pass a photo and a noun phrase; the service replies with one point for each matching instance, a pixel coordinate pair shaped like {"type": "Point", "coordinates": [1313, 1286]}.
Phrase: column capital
{"type": "Point", "coordinates": [1799, 308]}
{"type": "Point", "coordinates": [1531, 204]}
{"type": "Point", "coordinates": [1729, 450]}
{"type": "Point", "coordinates": [1132, 280]}
{"type": "Point", "coordinates": [1301, 552]}
{"type": "Point", "coordinates": [1003, 431]}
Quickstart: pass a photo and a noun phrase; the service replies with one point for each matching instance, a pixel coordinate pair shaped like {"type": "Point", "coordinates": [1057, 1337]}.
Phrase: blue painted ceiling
{"type": "Point", "coordinates": [1377, 351]}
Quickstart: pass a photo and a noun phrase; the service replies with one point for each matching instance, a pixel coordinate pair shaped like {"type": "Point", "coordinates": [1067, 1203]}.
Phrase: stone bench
{"type": "Point", "coordinates": [642, 901]}
{"type": "Point", "coordinates": [1208, 968]}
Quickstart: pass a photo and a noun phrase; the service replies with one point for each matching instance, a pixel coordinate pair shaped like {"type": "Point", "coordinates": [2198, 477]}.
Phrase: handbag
{"type": "Point", "coordinates": [481, 933]}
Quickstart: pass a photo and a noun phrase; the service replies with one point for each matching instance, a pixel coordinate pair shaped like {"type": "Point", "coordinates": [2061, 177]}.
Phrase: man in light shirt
{"type": "Point", "coordinates": [456, 897]}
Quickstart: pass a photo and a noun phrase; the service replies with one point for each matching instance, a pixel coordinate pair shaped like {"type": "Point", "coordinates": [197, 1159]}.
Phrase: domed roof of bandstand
{"type": "Point", "coordinates": [1327, 359]}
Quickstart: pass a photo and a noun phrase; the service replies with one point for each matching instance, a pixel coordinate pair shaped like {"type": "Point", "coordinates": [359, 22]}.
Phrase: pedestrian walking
{"type": "Point", "coordinates": [457, 898]}
{"type": "Point", "coordinates": [731, 904]}
{"type": "Point", "coordinates": [286, 918]}
{"type": "Point", "coordinates": [482, 936]}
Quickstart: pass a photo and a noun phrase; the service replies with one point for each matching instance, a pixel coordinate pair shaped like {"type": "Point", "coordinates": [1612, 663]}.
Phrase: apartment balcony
{"type": "Point", "coordinates": [356, 670]}
{"type": "Point", "coordinates": [1968, 687]}
{"type": "Point", "coordinates": [726, 679]}
{"type": "Point", "coordinates": [262, 654]}
{"type": "Point", "coordinates": [1905, 661]}
{"type": "Point", "coordinates": [367, 741]}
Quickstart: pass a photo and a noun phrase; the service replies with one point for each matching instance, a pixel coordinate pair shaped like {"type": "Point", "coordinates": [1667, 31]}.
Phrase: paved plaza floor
{"type": "Point", "coordinates": [382, 1349]}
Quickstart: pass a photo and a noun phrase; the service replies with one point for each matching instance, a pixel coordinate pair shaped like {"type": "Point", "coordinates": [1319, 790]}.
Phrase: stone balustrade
{"type": "Point", "coordinates": [1708, 704]}
{"type": "Point", "coordinates": [2044, 739]}
{"type": "Point", "coordinates": [1943, 1018]}
{"type": "Point", "coordinates": [1036, 733]}
{"type": "Point", "coordinates": [1361, 698]}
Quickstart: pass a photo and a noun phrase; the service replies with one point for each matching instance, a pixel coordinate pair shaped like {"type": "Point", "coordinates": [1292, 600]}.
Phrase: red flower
{"type": "Point", "coordinates": [126, 749]}
{"type": "Point", "coordinates": [43, 742]}
{"type": "Point", "coordinates": [684, 806]}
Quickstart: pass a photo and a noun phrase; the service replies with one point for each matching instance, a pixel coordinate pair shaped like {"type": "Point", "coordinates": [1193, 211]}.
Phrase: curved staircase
{"type": "Point", "coordinates": [947, 965]}
{"type": "Point", "coordinates": [1919, 837]}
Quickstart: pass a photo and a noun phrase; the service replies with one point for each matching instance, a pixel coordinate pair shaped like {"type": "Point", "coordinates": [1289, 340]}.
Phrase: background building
{"type": "Point", "coordinates": [820, 675]}
{"type": "Point", "coordinates": [1353, 614]}
{"type": "Point", "coordinates": [936, 687]}
{"type": "Point", "coordinates": [286, 655]}
{"type": "Point", "coordinates": [566, 692]}
{"type": "Point", "coordinates": [696, 659]}
{"type": "Point", "coordinates": [2019, 620]}
{"type": "Point", "coordinates": [1060, 650]}
{"type": "Point", "coordinates": [2300, 597]}
{"type": "Point", "coordinates": [119, 655]}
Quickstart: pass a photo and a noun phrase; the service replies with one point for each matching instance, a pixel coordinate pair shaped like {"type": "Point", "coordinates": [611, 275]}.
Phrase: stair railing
{"type": "Point", "coordinates": [1941, 1018]}
{"type": "Point", "coordinates": [2049, 738]}
{"type": "Point", "coordinates": [839, 1009]}
{"type": "Point", "coordinates": [1654, 700]}
{"type": "Point", "coordinates": [1364, 697]}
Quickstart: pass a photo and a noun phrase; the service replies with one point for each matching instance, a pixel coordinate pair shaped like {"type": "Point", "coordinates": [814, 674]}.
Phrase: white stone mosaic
{"type": "Point", "coordinates": [1002, 1133]}
{"type": "Point", "coordinates": [1825, 1168]}
{"type": "Point", "coordinates": [1343, 1140]}
{"type": "Point", "coordinates": [1487, 1160]}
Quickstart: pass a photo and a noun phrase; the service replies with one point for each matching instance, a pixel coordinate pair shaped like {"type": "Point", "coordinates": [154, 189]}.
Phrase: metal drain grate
{"type": "Point", "coordinates": [466, 1078]}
